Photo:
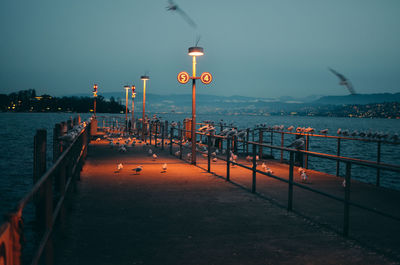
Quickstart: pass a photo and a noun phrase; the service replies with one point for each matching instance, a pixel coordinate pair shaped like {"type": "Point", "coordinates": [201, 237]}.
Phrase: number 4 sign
{"type": "Point", "coordinates": [206, 78]}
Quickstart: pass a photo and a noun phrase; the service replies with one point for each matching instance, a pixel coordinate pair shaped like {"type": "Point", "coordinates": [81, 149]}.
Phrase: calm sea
{"type": "Point", "coordinates": [17, 131]}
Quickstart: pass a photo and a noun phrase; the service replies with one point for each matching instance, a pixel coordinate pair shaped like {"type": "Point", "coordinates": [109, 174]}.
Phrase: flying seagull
{"type": "Point", "coordinates": [344, 81]}
{"type": "Point", "coordinates": [174, 7]}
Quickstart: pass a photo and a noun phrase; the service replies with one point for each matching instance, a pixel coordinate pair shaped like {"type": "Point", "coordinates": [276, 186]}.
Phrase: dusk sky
{"type": "Point", "coordinates": [266, 48]}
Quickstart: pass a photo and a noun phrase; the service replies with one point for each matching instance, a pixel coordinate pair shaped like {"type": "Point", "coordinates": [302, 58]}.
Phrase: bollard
{"type": "Point", "coordinates": [290, 188]}
{"type": "Point", "coordinates": [253, 186]}
{"type": "Point", "coordinates": [346, 214]}
{"type": "Point", "coordinates": [228, 154]}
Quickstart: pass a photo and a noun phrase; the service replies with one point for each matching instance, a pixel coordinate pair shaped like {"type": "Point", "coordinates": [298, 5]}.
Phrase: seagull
{"type": "Point", "coordinates": [290, 128]}
{"type": "Point", "coordinates": [177, 153]}
{"type": "Point", "coordinates": [164, 167]}
{"type": "Point", "coordinates": [298, 143]}
{"type": "Point", "coordinates": [189, 155]}
{"type": "Point", "coordinates": [339, 131]}
{"type": "Point", "coordinates": [150, 152]}
{"type": "Point", "coordinates": [344, 81]}
{"type": "Point", "coordinates": [249, 158]}
{"type": "Point", "coordinates": [264, 166]}
{"type": "Point", "coordinates": [268, 171]}
{"type": "Point", "coordinates": [304, 176]}
{"type": "Point", "coordinates": [214, 159]}
{"type": "Point", "coordinates": [154, 156]}
{"type": "Point", "coordinates": [324, 131]}
{"type": "Point", "coordinates": [120, 167]}
{"type": "Point", "coordinates": [98, 139]}
{"type": "Point", "coordinates": [138, 169]}
{"type": "Point", "coordinates": [174, 7]}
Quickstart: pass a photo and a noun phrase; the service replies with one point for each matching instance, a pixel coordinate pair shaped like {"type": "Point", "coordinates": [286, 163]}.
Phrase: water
{"type": "Point", "coordinates": [17, 132]}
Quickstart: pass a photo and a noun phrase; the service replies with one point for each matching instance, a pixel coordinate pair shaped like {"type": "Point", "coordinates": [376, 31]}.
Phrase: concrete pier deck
{"type": "Point", "coordinates": [188, 216]}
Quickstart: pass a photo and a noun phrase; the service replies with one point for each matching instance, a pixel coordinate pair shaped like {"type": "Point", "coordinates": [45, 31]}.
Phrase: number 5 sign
{"type": "Point", "coordinates": [183, 77]}
{"type": "Point", "coordinates": [206, 78]}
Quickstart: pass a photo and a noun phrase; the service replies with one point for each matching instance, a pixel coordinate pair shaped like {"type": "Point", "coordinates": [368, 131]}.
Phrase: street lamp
{"type": "Point", "coordinates": [94, 99]}
{"type": "Point", "coordinates": [144, 78]}
{"type": "Point", "coordinates": [133, 105]}
{"type": "Point", "coordinates": [126, 105]}
{"type": "Point", "coordinates": [183, 78]}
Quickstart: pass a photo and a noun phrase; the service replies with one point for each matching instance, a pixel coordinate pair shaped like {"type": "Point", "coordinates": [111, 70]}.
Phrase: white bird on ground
{"type": "Point", "coordinates": [344, 183]}
{"type": "Point", "coordinates": [150, 152]}
{"type": "Point", "coordinates": [264, 166]}
{"type": "Point", "coordinates": [249, 158]}
{"type": "Point", "coordinates": [138, 169]}
{"type": "Point", "coordinates": [164, 167]}
{"type": "Point", "coordinates": [177, 153]}
{"type": "Point", "coordinates": [120, 167]}
{"type": "Point", "coordinates": [304, 176]}
{"type": "Point", "coordinates": [214, 159]}
{"type": "Point", "coordinates": [154, 156]}
{"type": "Point", "coordinates": [189, 156]}
{"type": "Point", "coordinates": [214, 154]}
{"type": "Point", "coordinates": [98, 139]}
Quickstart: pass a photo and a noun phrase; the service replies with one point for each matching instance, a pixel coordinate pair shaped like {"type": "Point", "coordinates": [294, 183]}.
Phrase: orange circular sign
{"type": "Point", "coordinates": [206, 78]}
{"type": "Point", "coordinates": [183, 77]}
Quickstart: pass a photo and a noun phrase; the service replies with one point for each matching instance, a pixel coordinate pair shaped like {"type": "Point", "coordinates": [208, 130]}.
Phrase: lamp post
{"type": "Point", "coordinates": [94, 99]}
{"type": "Point", "coordinates": [126, 105]}
{"type": "Point", "coordinates": [144, 78]}
{"type": "Point", "coordinates": [183, 78]}
{"type": "Point", "coordinates": [133, 105]}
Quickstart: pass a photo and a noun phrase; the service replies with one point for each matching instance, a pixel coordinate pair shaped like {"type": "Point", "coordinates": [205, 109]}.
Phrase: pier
{"type": "Point", "coordinates": [219, 211]}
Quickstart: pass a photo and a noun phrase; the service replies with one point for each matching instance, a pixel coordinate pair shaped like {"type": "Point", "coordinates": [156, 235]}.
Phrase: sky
{"type": "Point", "coordinates": [258, 48]}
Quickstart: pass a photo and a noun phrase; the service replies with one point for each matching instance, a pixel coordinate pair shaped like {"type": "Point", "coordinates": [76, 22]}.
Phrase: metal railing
{"type": "Point", "coordinates": [48, 194]}
{"type": "Point", "coordinates": [178, 139]}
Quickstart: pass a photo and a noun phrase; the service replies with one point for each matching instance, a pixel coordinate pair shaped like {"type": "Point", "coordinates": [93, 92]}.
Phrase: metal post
{"type": "Point", "coordinates": [260, 140]}
{"type": "Point", "coordinates": [228, 156]}
{"type": "Point", "coordinates": [150, 129]}
{"type": "Point", "coordinates": [282, 144]}
{"type": "Point", "coordinates": [170, 139]}
{"type": "Point", "coordinates": [247, 140]}
{"type": "Point", "coordinates": [346, 213]}
{"type": "Point", "coordinates": [155, 134]}
{"type": "Point", "coordinates": [306, 156]}
{"type": "Point", "coordinates": [337, 162]}
{"type": "Point", "coordinates": [272, 142]}
{"type": "Point", "coordinates": [253, 186]}
{"type": "Point", "coordinates": [57, 147]}
{"type": "Point", "coordinates": [378, 170]}
{"type": "Point", "coordinates": [290, 189]}
{"type": "Point", "coordinates": [209, 153]}
{"type": "Point", "coordinates": [194, 115]}
{"type": "Point", "coordinates": [180, 143]}
{"type": "Point", "coordinates": [162, 135]}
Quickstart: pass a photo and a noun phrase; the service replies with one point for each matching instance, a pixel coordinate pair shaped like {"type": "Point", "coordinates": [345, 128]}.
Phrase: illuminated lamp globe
{"type": "Point", "coordinates": [196, 51]}
{"type": "Point", "coordinates": [144, 77]}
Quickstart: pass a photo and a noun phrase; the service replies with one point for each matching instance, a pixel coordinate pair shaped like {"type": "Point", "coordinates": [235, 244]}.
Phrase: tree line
{"type": "Point", "coordinates": [28, 101]}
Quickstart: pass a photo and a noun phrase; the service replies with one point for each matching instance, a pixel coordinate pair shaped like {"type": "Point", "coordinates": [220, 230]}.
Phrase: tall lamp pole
{"type": "Point", "coordinates": [133, 105]}
{"type": "Point", "coordinates": [94, 99]}
{"type": "Point", "coordinates": [183, 78]}
{"type": "Point", "coordinates": [144, 78]}
{"type": "Point", "coordinates": [126, 106]}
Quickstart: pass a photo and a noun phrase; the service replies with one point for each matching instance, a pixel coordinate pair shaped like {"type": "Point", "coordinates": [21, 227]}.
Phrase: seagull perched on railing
{"type": "Point", "coordinates": [298, 143]}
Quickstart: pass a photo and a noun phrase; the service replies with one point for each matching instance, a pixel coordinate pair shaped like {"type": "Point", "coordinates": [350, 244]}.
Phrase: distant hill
{"type": "Point", "coordinates": [359, 99]}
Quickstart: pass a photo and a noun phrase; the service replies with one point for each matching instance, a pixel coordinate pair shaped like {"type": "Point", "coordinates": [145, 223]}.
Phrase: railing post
{"type": "Point", "coordinates": [260, 140]}
{"type": "Point", "coordinates": [346, 213]}
{"type": "Point", "coordinates": [306, 156]}
{"type": "Point", "coordinates": [171, 134]}
{"type": "Point", "coordinates": [272, 142]}
{"type": "Point", "coordinates": [162, 135]}
{"type": "Point", "coordinates": [180, 142]}
{"type": "Point", "coordinates": [209, 153]}
{"type": "Point", "coordinates": [39, 168]}
{"type": "Point", "coordinates": [337, 162]}
{"type": "Point", "coordinates": [253, 186]}
{"type": "Point", "coordinates": [57, 147]}
{"type": "Point", "coordinates": [290, 189]}
{"type": "Point", "coordinates": [155, 134]}
{"type": "Point", "coordinates": [150, 129]}
{"type": "Point", "coordinates": [228, 156]}
{"type": "Point", "coordinates": [378, 160]}
{"type": "Point", "coordinates": [282, 144]}
{"type": "Point", "coordinates": [247, 140]}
